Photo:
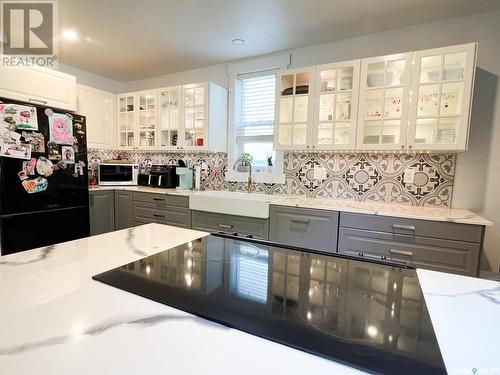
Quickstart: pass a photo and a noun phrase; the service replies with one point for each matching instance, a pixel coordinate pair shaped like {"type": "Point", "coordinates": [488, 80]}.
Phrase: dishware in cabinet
{"type": "Point", "coordinates": [203, 125]}
{"type": "Point", "coordinates": [383, 102]}
{"type": "Point", "coordinates": [336, 103]}
{"type": "Point", "coordinates": [194, 134]}
{"type": "Point", "coordinates": [294, 109]}
{"type": "Point", "coordinates": [127, 120]}
{"type": "Point", "coordinates": [169, 114]}
{"type": "Point", "coordinates": [137, 120]}
{"type": "Point", "coordinates": [147, 119]}
{"type": "Point", "coordinates": [442, 84]}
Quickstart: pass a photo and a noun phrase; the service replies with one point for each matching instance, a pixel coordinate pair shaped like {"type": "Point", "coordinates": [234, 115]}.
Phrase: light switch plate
{"type": "Point", "coordinates": [409, 176]}
{"type": "Point", "coordinates": [319, 173]}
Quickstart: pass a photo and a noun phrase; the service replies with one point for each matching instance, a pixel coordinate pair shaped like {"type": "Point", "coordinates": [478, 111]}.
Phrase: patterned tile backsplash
{"type": "Point", "coordinates": [353, 176]}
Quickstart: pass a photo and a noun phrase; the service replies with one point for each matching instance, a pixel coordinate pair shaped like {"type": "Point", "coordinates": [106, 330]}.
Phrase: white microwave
{"type": "Point", "coordinates": [117, 174]}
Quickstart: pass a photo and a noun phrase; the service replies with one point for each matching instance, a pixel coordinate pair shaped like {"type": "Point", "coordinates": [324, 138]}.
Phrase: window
{"type": "Point", "coordinates": [254, 118]}
{"type": "Point", "coordinates": [252, 91]}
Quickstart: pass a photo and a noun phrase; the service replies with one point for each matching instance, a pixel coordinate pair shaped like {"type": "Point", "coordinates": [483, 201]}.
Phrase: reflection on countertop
{"type": "Point", "coordinates": [372, 305]}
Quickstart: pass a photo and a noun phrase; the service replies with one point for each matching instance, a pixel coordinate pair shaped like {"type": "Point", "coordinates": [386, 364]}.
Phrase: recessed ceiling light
{"type": "Point", "coordinates": [70, 35]}
{"type": "Point", "coordinates": [238, 41]}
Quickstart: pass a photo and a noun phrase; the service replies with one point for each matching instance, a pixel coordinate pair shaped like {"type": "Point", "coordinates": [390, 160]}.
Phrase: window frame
{"type": "Point", "coordinates": [257, 67]}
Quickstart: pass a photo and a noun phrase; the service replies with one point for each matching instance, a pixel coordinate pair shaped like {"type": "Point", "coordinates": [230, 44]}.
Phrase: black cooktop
{"type": "Point", "coordinates": [365, 314]}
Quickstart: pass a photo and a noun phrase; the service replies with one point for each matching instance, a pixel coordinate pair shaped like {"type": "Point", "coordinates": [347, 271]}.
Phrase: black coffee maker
{"type": "Point", "coordinates": [160, 176]}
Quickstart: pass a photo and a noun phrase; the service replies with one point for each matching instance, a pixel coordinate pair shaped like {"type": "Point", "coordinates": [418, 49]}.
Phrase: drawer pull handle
{"type": "Point", "coordinates": [158, 199]}
{"type": "Point", "coordinates": [156, 215]}
{"type": "Point", "coordinates": [300, 221]}
{"type": "Point", "coordinates": [225, 226]}
{"type": "Point", "coordinates": [37, 101]}
{"type": "Point", "coordinates": [402, 252]}
{"type": "Point", "coordinates": [404, 227]}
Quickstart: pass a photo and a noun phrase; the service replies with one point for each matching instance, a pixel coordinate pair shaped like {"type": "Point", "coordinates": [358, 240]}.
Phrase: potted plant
{"type": "Point", "coordinates": [246, 160]}
{"type": "Point", "coordinates": [269, 160]}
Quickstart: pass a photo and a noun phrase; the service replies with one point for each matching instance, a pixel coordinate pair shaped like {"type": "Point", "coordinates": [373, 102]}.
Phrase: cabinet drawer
{"type": "Point", "coordinates": [214, 222]}
{"type": "Point", "coordinates": [178, 216]}
{"type": "Point", "coordinates": [413, 227]}
{"type": "Point", "coordinates": [422, 252]}
{"type": "Point", "coordinates": [147, 212]}
{"type": "Point", "coordinates": [303, 227]}
{"type": "Point", "coordinates": [174, 200]}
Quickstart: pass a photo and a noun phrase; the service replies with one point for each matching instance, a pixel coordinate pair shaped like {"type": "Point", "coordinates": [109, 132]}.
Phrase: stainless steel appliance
{"type": "Point", "coordinates": [160, 176]}
{"type": "Point", "coordinates": [118, 173]}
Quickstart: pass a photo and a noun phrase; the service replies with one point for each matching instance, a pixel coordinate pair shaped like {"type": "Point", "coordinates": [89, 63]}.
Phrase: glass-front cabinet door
{"type": "Point", "coordinates": [336, 106]}
{"type": "Point", "coordinates": [147, 118]}
{"type": "Point", "coordinates": [383, 102]}
{"type": "Point", "coordinates": [442, 90]}
{"type": "Point", "coordinates": [194, 105]}
{"type": "Point", "coordinates": [294, 104]}
{"type": "Point", "coordinates": [169, 101]}
{"type": "Point", "coordinates": [126, 120]}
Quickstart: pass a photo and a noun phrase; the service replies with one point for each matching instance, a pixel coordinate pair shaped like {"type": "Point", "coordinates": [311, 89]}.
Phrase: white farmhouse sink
{"type": "Point", "coordinates": [232, 203]}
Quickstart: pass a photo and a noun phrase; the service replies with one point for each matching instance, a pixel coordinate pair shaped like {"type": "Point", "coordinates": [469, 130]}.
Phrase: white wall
{"type": "Point", "coordinates": [477, 173]}
{"type": "Point", "coordinates": [93, 80]}
{"type": "Point", "coordinates": [214, 73]}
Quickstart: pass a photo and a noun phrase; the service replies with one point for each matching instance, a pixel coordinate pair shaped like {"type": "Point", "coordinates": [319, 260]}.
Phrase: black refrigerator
{"type": "Point", "coordinates": [43, 196]}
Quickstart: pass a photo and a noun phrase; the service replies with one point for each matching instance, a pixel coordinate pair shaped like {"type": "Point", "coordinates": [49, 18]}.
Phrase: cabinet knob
{"type": "Point", "coordinates": [402, 147]}
{"type": "Point", "coordinates": [410, 147]}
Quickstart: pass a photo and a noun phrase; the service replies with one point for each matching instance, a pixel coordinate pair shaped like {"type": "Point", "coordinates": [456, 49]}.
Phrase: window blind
{"type": "Point", "coordinates": [251, 274]}
{"type": "Point", "coordinates": [255, 102]}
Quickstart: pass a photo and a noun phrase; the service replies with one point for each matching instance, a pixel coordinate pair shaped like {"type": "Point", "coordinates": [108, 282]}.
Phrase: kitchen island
{"type": "Point", "coordinates": [57, 320]}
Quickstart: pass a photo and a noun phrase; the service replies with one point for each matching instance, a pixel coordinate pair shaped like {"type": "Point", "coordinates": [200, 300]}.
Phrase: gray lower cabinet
{"type": "Point", "coordinates": [440, 246]}
{"type": "Point", "coordinates": [123, 209]}
{"type": "Point", "coordinates": [304, 227]}
{"type": "Point", "coordinates": [161, 208]}
{"type": "Point", "coordinates": [102, 211]}
{"type": "Point", "coordinates": [244, 226]}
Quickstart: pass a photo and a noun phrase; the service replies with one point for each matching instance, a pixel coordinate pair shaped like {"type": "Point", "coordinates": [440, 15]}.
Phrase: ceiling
{"type": "Point", "coordinates": [132, 39]}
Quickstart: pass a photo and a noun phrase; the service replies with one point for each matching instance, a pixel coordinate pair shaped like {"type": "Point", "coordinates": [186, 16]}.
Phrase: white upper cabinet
{"type": "Point", "coordinates": [204, 118]}
{"type": "Point", "coordinates": [294, 109]}
{"type": "Point", "coordinates": [195, 115]}
{"type": "Point", "coordinates": [336, 102]}
{"type": "Point", "coordinates": [169, 114]}
{"type": "Point", "coordinates": [39, 86]}
{"type": "Point", "coordinates": [127, 120]}
{"type": "Point", "coordinates": [442, 87]}
{"type": "Point", "coordinates": [147, 119]}
{"type": "Point", "coordinates": [383, 102]}
{"type": "Point", "coordinates": [189, 117]}
{"type": "Point", "coordinates": [137, 120]}
{"type": "Point", "coordinates": [99, 109]}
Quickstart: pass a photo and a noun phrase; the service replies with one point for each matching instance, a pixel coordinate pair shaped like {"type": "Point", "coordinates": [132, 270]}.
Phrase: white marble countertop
{"type": "Point", "coordinates": [56, 320]}
{"type": "Point", "coordinates": [454, 215]}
